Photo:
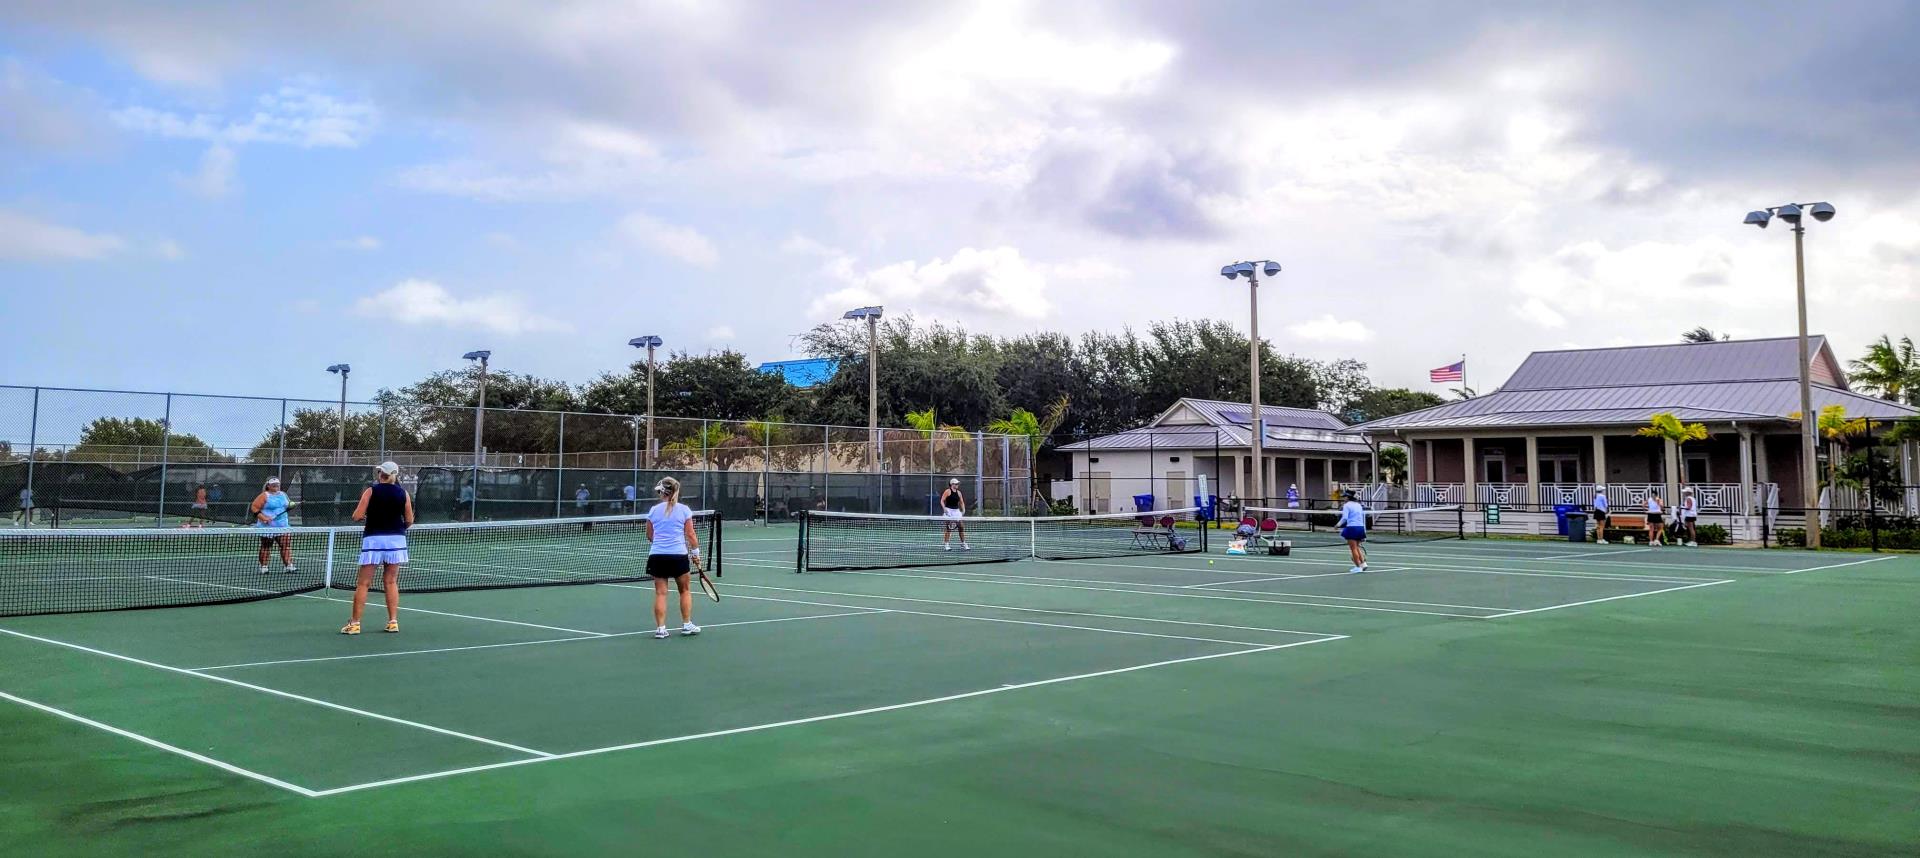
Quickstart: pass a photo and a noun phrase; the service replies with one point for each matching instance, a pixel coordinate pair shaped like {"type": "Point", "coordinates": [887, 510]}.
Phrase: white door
{"type": "Point", "coordinates": [1177, 495]}
{"type": "Point", "coordinates": [1100, 491]}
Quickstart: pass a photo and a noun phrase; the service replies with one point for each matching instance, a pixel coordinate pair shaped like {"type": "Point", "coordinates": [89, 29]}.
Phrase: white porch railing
{"type": "Point", "coordinates": [1436, 494]}
{"type": "Point", "coordinates": [1712, 497]}
{"type": "Point", "coordinates": [1502, 493]}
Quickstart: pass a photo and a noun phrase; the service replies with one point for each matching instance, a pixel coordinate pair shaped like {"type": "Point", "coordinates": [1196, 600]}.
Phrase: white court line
{"type": "Point", "coordinates": [814, 719]}
{"type": "Point", "coordinates": [525, 643]}
{"type": "Point", "coordinates": [1001, 620]}
{"type": "Point", "coordinates": [156, 743]}
{"type": "Point", "coordinates": [1610, 599]}
{"type": "Point", "coordinates": [1241, 581]}
{"type": "Point", "coordinates": [276, 692]}
{"type": "Point", "coordinates": [402, 607]}
{"type": "Point", "coordinates": [1423, 566]}
{"type": "Point", "coordinates": [1588, 556]}
{"type": "Point", "coordinates": [1013, 608]}
{"type": "Point", "coordinates": [1838, 565]}
{"type": "Point", "coordinates": [1218, 589]}
{"type": "Point", "coordinates": [1505, 557]}
{"type": "Point", "coordinates": [1172, 594]}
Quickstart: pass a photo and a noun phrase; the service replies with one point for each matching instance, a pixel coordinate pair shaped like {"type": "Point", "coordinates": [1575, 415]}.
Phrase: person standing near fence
{"type": "Point", "coordinates": [465, 507]}
{"type": "Point", "coordinates": [270, 516]}
{"type": "Point", "coordinates": [199, 506]}
{"type": "Point", "coordinates": [387, 510]}
{"type": "Point", "coordinates": [24, 515]}
{"type": "Point", "coordinates": [1293, 496]}
{"type": "Point", "coordinates": [1690, 516]}
{"type": "Point", "coordinates": [583, 500]}
{"type": "Point", "coordinates": [1656, 519]}
{"type": "Point", "coordinates": [633, 499]}
{"type": "Point", "coordinates": [1601, 506]}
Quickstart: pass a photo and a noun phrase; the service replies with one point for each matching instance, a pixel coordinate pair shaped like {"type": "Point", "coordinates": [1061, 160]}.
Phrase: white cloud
{"type": "Point", "coordinates": [1536, 311]}
{"type": "Point", "coordinates": [424, 302]}
{"type": "Point", "coordinates": [992, 283]}
{"type": "Point", "coordinates": [366, 243]}
{"type": "Point", "coordinates": [721, 334]}
{"type": "Point", "coordinates": [680, 242]}
{"type": "Point", "coordinates": [169, 250]}
{"type": "Point", "coordinates": [215, 176]}
{"type": "Point", "coordinates": [293, 115]}
{"type": "Point", "coordinates": [24, 238]}
{"type": "Point", "coordinates": [1329, 329]}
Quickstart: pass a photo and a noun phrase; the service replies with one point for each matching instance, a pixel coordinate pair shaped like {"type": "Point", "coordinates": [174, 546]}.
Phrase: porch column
{"type": "Point", "coordinates": [1600, 458]}
{"type": "Point", "coordinates": [1326, 474]}
{"type": "Point", "coordinates": [1373, 463]}
{"type": "Point", "coordinates": [1533, 469]}
{"type": "Point", "coordinates": [1238, 487]}
{"type": "Point", "coordinates": [1746, 472]}
{"type": "Point", "coordinates": [1300, 478]}
{"type": "Point", "coordinates": [1761, 469]}
{"type": "Point", "coordinates": [1671, 485]}
{"type": "Point", "coordinates": [1429, 462]}
{"type": "Point", "coordinates": [1470, 485]}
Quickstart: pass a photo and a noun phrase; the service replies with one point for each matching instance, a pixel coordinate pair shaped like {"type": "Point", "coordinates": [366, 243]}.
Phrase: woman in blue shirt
{"type": "Point", "coordinates": [388, 512]}
{"type": "Point", "coordinates": [1353, 529]}
{"type": "Point", "coordinates": [270, 515]}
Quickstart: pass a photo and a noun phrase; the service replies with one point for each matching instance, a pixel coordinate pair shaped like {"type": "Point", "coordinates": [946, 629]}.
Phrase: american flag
{"type": "Point", "coordinates": [1450, 372]}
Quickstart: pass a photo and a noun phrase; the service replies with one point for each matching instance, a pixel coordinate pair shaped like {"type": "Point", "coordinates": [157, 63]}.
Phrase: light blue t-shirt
{"type": "Point", "coordinates": [275, 507]}
{"type": "Point", "coordinates": [1352, 514]}
{"type": "Point", "coordinates": [1600, 501]}
{"type": "Point", "coordinates": [669, 527]}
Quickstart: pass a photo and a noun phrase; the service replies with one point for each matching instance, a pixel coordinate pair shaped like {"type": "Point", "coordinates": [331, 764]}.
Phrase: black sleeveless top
{"type": "Point", "coordinates": [386, 511]}
{"type": "Point", "coordinates": [951, 500]}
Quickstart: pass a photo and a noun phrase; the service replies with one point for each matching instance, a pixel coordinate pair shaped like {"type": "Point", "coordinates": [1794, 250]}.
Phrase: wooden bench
{"type": "Point", "coordinates": [1634, 521]}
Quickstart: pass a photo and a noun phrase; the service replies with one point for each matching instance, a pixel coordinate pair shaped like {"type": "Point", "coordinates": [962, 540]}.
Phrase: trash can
{"type": "Point", "coordinates": [1143, 503]}
{"type": "Point", "coordinates": [1560, 511]}
{"type": "Point", "coordinates": [1574, 525]}
{"type": "Point", "coordinates": [1207, 505]}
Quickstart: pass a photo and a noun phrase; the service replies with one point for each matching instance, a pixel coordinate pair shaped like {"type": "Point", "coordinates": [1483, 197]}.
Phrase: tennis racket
{"type": "Point", "coordinates": [706, 584]}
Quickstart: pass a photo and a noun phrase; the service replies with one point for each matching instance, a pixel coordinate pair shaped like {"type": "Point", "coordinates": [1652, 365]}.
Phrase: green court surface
{"type": "Point", "coordinates": [1463, 698]}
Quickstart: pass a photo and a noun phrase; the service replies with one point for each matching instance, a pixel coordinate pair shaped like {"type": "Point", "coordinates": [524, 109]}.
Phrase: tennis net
{"type": "Point", "coordinates": [1322, 526]}
{"type": "Point", "coordinates": [842, 541]}
{"type": "Point", "coordinates": [73, 571]}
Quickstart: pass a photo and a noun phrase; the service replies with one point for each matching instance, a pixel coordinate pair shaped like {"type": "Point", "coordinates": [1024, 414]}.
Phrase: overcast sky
{"type": "Point", "coordinates": [227, 198]}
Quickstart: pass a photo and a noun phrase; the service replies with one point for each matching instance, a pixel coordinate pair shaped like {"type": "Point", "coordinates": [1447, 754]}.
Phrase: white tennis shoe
{"type": "Point", "coordinates": [660, 633]}
{"type": "Point", "coordinates": [689, 629]}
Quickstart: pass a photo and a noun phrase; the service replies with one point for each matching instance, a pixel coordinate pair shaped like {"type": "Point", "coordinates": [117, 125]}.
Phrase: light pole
{"type": "Point", "coordinates": [872, 315]}
{"type": "Point", "coordinates": [341, 446]}
{"type": "Point", "coordinates": [1251, 271]}
{"type": "Point", "coordinates": [479, 411]}
{"type": "Point", "coordinates": [1809, 421]}
{"type": "Point", "coordinates": [648, 342]}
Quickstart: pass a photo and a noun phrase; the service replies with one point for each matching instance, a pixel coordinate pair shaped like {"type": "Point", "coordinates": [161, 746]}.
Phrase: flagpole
{"type": "Point", "coordinates": [1464, 389]}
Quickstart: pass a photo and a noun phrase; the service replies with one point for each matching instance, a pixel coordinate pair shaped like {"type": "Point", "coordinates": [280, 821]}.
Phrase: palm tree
{"type": "Point", "coordinates": [1890, 369]}
{"type": "Point", "coordinates": [1703, 334]}
{"type": "Point", "coordinates": [1667, 427]}
{"type": "Point", "coordinates": [1464, 393]}
{"type": "Point", "coordinates": [1024, 424]}
{"type": "Point", "coordinates": [1834, 425]}
{"type": "Point", "coordinates": [929, 427]}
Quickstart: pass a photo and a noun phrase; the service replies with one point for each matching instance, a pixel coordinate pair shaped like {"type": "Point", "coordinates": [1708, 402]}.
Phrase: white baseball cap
{"type": "Point", "coordinates": [273, 481]}
{"type": "Point", "coordinates": [954, 482]}
{"type": "Point", "coordinates": [388, 468]}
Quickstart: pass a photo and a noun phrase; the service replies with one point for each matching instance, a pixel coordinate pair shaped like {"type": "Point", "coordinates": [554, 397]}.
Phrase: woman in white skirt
{"type": "Point", "coordinates": [388, 512]}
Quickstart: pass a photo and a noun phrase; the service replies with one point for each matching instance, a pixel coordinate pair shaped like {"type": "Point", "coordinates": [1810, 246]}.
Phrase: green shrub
{"type": "Point", "coordinates": [1790, 537]}
{"type": "Point", "coordinates": [1712, 534]}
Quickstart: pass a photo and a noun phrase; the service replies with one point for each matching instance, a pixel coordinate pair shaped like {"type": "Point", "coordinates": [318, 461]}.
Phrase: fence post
{"type": "Point", "coordinates": [383, 431]}
{"type": "Point", "coordinates": [636, 467]}
{"type": "Point", "coordinates": [1006, 476]}
{"type": "Point", "coordinates": [766, 473]}
{"type": "Point", "coordinates": [979, 481]}
{"type": "Point", "coordinates": [280, 453]}
{"type": "Point", "coordinates": [826, 468]}
{"type": "Point", "coordinates": [560, 474]}
{"type": "Point", "coordinates": [706, 467]}
{"type": "Point", "coordinates": [33, 443]}
{"type": "Point", "coordinates": [880, 476]}
{"type": "Point", "coordinates": [166, 429]}
{"type": "Point", "coordinates": [1873, 508]}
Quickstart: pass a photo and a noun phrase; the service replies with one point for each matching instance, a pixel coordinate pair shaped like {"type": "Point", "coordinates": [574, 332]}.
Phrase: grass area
{"type": "Point", "coordinates": [1485, 699]}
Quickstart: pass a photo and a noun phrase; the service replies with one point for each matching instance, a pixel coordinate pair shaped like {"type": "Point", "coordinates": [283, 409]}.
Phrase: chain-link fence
{"type": "Point", "coordinates": [97, 458]}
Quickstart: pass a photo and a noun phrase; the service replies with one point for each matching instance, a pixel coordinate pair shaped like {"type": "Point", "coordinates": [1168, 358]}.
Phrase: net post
{"type": "Point", "coordinates": [1033, 538]}
{"type": "Point", "coordinates": [1460, 520]}
{"type": "Point", "coordinates": [800, 546]}
{"type": "Point", "coordinates": [719, 536]}
{"type": "Point", "coordinates": [560, 472]}
{"type": "Point", "coordinates": [327, 579]}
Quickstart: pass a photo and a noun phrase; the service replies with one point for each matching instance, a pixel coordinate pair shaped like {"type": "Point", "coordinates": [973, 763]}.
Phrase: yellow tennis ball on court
{"type": "Point", "coordinates": [1209, 563]}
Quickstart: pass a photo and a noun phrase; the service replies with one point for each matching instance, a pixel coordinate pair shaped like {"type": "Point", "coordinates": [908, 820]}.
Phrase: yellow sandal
{"type": "Point", "coordinates": [350, 629]}
{"type": "Point", "coordinates": [393, 625]}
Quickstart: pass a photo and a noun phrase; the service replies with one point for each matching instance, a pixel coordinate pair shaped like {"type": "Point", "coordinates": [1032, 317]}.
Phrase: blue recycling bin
{"type": "Point", "coordinates": [1560, 511]}
{"type": "Point", "coordinates": [1143, 503]}
{"type": "Point", "coordinates": [1207, 505]}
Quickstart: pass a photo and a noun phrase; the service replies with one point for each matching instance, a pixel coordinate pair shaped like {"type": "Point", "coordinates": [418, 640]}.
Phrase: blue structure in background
{"type": "Point", "coordinates": [803, 373]}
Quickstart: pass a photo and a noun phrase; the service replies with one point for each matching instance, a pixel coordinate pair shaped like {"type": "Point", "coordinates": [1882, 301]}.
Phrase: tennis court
{"type": "Point", "coordinates": [1460, 692]}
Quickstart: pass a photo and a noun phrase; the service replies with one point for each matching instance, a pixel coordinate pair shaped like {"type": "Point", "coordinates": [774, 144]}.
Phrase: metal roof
{"type": "Point", "coordinates": [1236, 413]}
{"type": "Point", "coordinates": [1202, 438]}
{"type": "Point", "coordinates": [806, 372]}
{"type": "Point", "coordinates": [1601, 406]}
{"type": "Point", "coordinates": [1674, 363]}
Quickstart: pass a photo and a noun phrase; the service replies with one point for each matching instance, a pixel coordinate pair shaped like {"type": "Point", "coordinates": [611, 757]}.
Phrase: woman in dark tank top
{"type": "Point", "coordinates": [388, 512]}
